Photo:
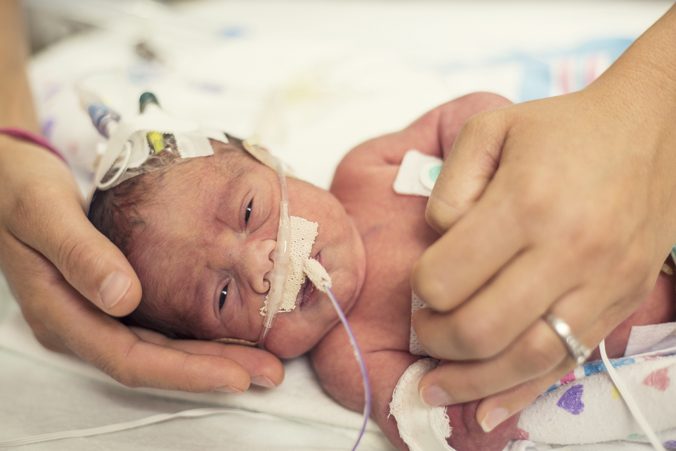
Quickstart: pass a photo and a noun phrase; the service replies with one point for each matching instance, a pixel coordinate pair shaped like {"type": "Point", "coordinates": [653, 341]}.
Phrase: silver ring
{"type": "Point", "coordinates": [577, 350]}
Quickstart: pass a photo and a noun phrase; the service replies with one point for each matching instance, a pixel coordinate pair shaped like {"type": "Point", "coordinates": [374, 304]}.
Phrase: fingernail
{"type": "Point", "coordinates": [434, 396]}
{"type": "Point", "coordinates": [228, 389]}
{"type": "Point", "coordinates": [113, 288]}
{"type": "Point", "coordinates": [262, 381]}
{"type": "Point", "coordinates": [494, 418]}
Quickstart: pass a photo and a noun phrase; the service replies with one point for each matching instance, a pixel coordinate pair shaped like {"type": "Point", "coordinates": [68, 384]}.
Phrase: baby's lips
{"type": "Point", "coordinates": [301, 293]}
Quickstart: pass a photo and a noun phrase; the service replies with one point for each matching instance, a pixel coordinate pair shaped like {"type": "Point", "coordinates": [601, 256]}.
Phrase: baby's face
{"type": "Point", "coordinates": [205, 254]}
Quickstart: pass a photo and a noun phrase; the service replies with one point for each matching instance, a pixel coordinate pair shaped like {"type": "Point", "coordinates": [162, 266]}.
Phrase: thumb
{"type": "Point", "coordinates": [55, 225]}
{"type": "Point", "coordinates": [470, 165]}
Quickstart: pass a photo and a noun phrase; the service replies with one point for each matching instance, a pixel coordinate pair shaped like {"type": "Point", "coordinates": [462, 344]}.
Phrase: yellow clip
{"type": "Point", "coordinates": [156, 141]}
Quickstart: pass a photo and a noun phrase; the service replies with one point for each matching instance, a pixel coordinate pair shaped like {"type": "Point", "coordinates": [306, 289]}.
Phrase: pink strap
{"type": "Point", "coordinates": [31, 137]}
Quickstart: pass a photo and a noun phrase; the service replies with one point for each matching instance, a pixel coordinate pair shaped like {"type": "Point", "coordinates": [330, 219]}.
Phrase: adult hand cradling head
{"type": "Point", "coordinates": [64, 273]}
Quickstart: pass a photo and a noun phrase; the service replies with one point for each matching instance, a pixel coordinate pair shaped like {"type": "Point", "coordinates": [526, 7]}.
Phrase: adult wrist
{"type": "Point", "coordinates": [641, 85]}
{"type": "Point", "coordinates": [21, 134]}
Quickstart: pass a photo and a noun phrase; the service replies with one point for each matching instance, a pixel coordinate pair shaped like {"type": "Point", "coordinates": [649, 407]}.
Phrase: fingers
{"type": "Point", "coordinates": [263, 367]}
{"type": "Point", "coordinates": [196, 368]}
{"type": "Point", "coordinates": [494, 409]}
{"type": "Point", "coordinates": [539, 354]}
{"type": "Point", "coordinates": [470, 165]}
{"type": "Point", "coordinates": [462, 261]}
{"type": "Point", "coordinates": [118, 351]}
{"type": "Point", "coordinates": [137, 363]}
{"type": "Point", "coordinates": [477, 328]}
{"type": "Point", "coordinates": [60, 231]}
{"type": "Point", "coordinates": [63, 320]}
{"type": "Point", "coordinates": [535, 354]}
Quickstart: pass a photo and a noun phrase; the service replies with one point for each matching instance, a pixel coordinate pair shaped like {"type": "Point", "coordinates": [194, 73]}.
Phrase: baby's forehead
{"type": "Point", "coordinates": [191, 192]}
{"type": "Point", "coordinates": [228, 161]}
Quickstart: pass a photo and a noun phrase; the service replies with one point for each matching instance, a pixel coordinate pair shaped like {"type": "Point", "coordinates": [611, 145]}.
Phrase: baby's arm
{"type": "Point", "coordinates": [433, 133]}
{"type": "Point", "coordinates": [339, 374]}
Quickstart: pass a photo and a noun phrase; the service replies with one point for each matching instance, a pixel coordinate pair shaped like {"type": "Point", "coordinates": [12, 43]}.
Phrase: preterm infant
{"type": "Point", "coordinates": [200, 237]}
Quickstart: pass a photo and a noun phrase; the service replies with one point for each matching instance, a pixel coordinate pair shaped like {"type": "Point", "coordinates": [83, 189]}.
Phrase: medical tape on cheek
{"type": "Point", "coordinates": [303, 234]}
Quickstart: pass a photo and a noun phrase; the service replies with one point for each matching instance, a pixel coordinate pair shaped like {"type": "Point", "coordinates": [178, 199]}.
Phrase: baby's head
{"type": "Point", "coordinates": [200, 236]}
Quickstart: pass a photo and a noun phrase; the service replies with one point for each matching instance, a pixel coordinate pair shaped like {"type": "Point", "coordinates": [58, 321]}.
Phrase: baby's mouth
{"type": "Point", "coordinates": [307, 290]}
{"type": "Point", "coordinates": [305, 293]}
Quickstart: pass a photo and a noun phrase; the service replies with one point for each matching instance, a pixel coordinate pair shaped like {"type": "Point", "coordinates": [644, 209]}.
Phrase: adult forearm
{"type": "Point", "coordinates": [16, 103]}
{"type": "Point", "coordinates": [642, 82]}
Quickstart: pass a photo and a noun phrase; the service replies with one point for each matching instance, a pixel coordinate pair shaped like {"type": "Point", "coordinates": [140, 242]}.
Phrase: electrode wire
{"type": "Point", "coordinates": [629, 400]}
{"type": "Point", "coordinates": [193, 413]}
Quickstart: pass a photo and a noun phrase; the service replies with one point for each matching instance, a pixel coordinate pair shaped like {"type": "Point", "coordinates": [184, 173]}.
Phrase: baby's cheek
{"type": "Point", "coordinates": [467, 434]}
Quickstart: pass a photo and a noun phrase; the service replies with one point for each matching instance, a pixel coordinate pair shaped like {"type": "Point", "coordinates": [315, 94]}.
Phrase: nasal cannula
{"type": "Point", "coordinates": [280, 258]}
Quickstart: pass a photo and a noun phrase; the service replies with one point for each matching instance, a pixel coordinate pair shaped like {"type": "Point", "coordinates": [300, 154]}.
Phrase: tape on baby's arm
{"type": "Point", "coordinates": [417, 174]}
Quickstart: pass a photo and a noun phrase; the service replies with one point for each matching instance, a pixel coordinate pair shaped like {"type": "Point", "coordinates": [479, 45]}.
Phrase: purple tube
{"type": "Point", "coordinates": [362, 365]}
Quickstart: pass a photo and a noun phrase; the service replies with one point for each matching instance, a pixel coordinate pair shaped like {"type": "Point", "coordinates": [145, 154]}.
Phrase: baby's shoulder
{"type": "Point", "coordinates": [363, 172]}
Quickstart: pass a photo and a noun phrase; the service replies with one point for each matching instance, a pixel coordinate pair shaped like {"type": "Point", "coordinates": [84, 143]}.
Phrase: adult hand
{"type": "Point", "coordinates": [65, 275]}
{"type": "Point", "coordinates": [563, 205]}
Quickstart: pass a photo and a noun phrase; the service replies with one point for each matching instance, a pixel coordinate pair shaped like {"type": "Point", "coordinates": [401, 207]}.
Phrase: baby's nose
{"type": "Point", "coordinates": [259, 264]}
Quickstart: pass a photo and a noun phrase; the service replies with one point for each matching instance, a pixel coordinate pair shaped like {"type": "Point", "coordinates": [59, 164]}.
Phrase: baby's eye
{"type": "Point", "coordinates": [248, 212]}
{"type": "Point", "coordinates": [221, 300]}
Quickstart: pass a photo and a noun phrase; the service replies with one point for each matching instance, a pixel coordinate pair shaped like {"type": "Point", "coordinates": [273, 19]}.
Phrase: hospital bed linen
{"type": "Point", "coordinates": [313, 79]}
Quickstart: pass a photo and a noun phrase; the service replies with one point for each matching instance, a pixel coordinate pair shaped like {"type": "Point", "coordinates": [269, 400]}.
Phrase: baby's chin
{"type": "Point", "coordinates": [287, 345]}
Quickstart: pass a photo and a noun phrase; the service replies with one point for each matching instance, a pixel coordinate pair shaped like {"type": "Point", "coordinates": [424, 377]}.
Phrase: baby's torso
{"type": "Point", "coordinates": [395, 234]}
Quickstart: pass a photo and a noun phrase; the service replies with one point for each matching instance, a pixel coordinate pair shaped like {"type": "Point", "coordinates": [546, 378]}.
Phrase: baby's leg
{"type": "Point", "coordinates": [659, 307]}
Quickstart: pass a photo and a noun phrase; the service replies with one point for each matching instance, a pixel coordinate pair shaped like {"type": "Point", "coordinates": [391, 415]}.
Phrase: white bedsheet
{"type": "Point", "coordinates": [314, 79]}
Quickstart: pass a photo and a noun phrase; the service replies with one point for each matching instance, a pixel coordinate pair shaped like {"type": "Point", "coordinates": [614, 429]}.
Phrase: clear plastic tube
{"type": "Point", "coordinates": [280, 258]}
